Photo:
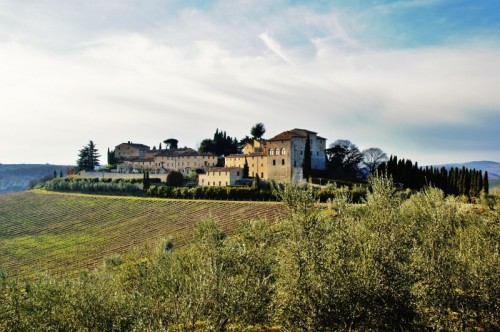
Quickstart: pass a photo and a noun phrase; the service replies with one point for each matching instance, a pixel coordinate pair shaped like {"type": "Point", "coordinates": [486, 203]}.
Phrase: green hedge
{"type": "Point", "coordinates": [93, 185]}
{"type": "Point", "coordinates": [246, 193]}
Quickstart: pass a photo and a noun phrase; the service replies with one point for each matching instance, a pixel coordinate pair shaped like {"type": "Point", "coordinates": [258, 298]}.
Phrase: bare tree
{"type": "Point", "coordinates": [372, 158]}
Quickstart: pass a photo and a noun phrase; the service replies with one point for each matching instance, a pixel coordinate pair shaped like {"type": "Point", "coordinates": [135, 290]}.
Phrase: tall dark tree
{"type": "Point", "coordinates": [88, 157]}
{"type": "Point", "coordinates": [171, 143]}
{"type": "Point", "coordinates": [221, 144]}
{"type": "Point", "coordinates": [159, 146]}
{"type": "Point", "coordinates": [258, 130]}
{"type": "Point", "coordinates": [343, 160]}
{"type": "Point", "coordinates": [146, 182]}
{"type": "Point", "coordinates": [486, 184]}
{"type": "Point", "coordinates": [246, 169]}
{"type": "Point", "coordinates": [306, 166]}
{"type": "Point", "coordinates": [111, 157]}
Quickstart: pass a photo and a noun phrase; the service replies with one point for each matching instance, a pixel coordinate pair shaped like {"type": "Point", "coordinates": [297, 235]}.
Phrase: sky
{"type": "Point", "coordinates": [419, 79]}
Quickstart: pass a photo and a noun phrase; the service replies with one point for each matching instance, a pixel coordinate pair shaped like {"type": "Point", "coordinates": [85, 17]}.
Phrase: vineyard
{"type": "Point", "coordinates": [67, 233]}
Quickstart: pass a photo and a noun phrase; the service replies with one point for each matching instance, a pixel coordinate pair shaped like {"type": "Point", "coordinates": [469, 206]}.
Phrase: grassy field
{"type": "Point", "coordinates": [67, 233]}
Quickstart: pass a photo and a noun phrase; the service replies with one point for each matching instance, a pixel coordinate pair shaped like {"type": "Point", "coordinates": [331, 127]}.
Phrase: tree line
{"type": "Point", "coordinates": [455, 181]}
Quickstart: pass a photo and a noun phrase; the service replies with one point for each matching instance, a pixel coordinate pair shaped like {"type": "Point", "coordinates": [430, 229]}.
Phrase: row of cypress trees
{"type": "Point", "coordinates": [455, 181]}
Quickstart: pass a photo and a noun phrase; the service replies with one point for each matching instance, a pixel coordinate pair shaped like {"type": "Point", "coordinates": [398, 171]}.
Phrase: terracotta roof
{"type": "Point", "coordinates": [286, 135]}
{"type": "Point", "coordinates": [137, 145]}
{"type": "Point", "coordinates": [139, 159]}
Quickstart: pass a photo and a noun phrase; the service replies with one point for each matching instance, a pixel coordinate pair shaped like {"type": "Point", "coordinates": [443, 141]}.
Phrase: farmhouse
{"type": "Point", "coordinates": [220, 177]}
{"type": "Point", "coordinates": [131, 150]}
{"type": "Point", "coordinates": [281, 158]}
{"type": "Point", "coordinates": [183, 160]}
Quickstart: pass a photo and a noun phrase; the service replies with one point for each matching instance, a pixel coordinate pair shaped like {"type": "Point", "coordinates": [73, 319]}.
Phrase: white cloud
{"type": "Point", "coordinates": [192, 73]}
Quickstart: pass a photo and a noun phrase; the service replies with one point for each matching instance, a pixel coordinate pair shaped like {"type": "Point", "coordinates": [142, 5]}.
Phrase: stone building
{"type": "Point", "coordinates": [281, 157]}
{"type": "Point", "coordinates": [183, 160]}
{"type": "Point", "coordinates": [131, 150]}
{"type": "Point", "coordinates": [220, 177]}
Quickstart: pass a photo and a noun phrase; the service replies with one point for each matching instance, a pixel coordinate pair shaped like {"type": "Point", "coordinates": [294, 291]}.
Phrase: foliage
{"type": "Point", "coordinates": [175, 179]}
{"type": "Point", "coordinates": [343, 160]}
{"type": "Point", "coordinates": [246, 169]}
{"type": "Point", "coordinates": [221, 144]}
{"type": "Point", "coordinates": [427, 262]}
{"type": "Point", "coordinates": [88, 157]}
{"type": "Point", "coordinates": [258, 130]}
{"type": "Point", "coordinates": [373, 158]}
{"type": "Point", "coordinates": [458, 182]}
{"type": "Point", "coordinates": [170, 143]}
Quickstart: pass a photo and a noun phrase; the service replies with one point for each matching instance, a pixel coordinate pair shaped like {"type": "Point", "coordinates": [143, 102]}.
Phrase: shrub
{"type": "Point", "coordinates": [175, 179]}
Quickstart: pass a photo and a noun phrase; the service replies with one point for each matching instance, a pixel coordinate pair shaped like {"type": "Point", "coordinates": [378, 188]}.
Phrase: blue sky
{"type": "Point", "coordinates": [417, 78]}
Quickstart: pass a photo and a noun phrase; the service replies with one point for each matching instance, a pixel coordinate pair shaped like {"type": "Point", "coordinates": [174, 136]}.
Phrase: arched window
{"type": "Point", "coordinates": [271, 152]}
{"type": "Point", "coordinates": [283, 151]}
{"type": "Point", "coordinates": [277, 151]}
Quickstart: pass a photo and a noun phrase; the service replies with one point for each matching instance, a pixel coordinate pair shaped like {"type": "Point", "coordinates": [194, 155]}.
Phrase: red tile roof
{"type": "Point", "coordinates": [287, 135]}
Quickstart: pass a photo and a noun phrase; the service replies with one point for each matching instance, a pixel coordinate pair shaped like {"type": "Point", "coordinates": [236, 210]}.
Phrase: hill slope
{"type": "Point", "coordinates": [16, 177]}
{"type": "Point", "coordinates": [492, 167]}
{"type": "Point", "coordinates": [67, 233]}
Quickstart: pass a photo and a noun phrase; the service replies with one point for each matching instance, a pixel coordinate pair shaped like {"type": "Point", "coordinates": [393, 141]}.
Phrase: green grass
{"type": "Point", "coordinates": [64, 233]}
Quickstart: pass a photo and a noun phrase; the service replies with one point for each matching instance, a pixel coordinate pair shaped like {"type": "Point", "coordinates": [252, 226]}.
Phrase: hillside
{"type": "Point", "coordinates": [16, 177]}
{"type": "Point", "coordinates": [492, 167]}
{"type": "Point", "coordinates": [60, 233]}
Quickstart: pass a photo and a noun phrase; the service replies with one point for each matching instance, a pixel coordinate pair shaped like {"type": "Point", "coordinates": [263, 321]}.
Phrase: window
{"type": "Point", "coordinates": [283, 151]}
{"type": "Point", "coordinates": [271, 152]}
{"type": "Point", "coordinates": [294, 164]}
{"type": "Point", "coordinates": [301, 152]}
{"type": "Point", "coordinates": [274, 162]}
{"type": "Point", "coordinates": [282, 161]}
{"type": "Point", "coordinates": [317, 153]}
{"type": "Point", "coordinates": [226, 183]}
{"type": "Point", "coordinates": [220, 183]}
{"type": "Point", "coordinates": [238, 173]}
{"type": "Point", "coordinates": [277, 151]}
{"type": "Point", "coordinates": [262, 175]}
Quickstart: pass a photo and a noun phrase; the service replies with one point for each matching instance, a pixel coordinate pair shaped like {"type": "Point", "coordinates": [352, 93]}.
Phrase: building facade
{"type": "Point", "coordinates": [182, 160]}
{"type": "Point", "coordinates": [220, 177]}
{"type": "Point", "coordinates": [281, 158]}
{"type": "Point", "coordinates": [131, 150]}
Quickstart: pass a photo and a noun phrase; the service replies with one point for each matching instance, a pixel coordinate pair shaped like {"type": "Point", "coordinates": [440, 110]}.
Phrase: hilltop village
{"type": "Point", "coordinates": [280, 159]}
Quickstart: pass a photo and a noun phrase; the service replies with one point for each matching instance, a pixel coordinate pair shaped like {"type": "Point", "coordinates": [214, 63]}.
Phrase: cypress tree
{"type": "Point", "coordinates": [306, 167]}
{"type": "Point", "coordinates": [444, 180]}
{"type": "Point", "coordinates": [246, 169]}
{"type": "Point", "coordinates": [146, 183]}
{"type": "Point", "coordinates": [60, 174]}
{"type": "Point", "coordinates": [486, 185]}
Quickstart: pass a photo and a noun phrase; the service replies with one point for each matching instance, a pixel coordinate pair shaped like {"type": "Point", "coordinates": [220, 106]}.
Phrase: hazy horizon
{"type": "Point", "coordinates": [416, 78]}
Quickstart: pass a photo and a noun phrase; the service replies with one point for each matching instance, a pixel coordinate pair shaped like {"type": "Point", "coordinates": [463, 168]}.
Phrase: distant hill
{"type": "Point", "coordinates": [492, 167]}
{"type": "Point", "coordinates": [16, 177]}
